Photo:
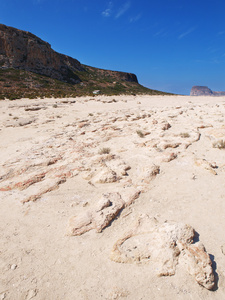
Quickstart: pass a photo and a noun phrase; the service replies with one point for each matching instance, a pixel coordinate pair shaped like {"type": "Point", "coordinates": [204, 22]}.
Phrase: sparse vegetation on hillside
{"type": "Point", "coordinates": [184, 134]}
{"type": "Point", "coordinates": [16, 84]}
{"type": "Point", "coordinates": [140, 133]}
{"type": "Point", "coordinates": [104, 150]}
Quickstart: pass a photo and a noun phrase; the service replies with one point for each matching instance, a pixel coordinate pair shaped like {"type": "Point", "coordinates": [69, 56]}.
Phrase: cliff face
{"type": "Point", "coordinates": [204, 91]}
{"type": "Point", "coordinates": [23, 50]}
{"type": "Point", "coordinates": [130, 77]}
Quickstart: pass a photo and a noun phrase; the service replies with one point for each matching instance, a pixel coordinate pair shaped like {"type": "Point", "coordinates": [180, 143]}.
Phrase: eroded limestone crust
{"type": "Point", "coordinates": [165, 246]}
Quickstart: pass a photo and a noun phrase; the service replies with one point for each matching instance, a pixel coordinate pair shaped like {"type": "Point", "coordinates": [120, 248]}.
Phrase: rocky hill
{"type": "Point", "coordinates": [204, 91]}
{"type": "Point", "coordinates": [24, 55]}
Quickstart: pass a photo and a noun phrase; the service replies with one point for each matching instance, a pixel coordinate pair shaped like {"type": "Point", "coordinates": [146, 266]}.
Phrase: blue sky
{"type": "Point", "coordinates": [170, 45]}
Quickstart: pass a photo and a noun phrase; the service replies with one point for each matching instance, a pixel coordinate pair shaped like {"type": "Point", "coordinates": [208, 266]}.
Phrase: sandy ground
{"type": "Point", "coordinates": [51, 170]}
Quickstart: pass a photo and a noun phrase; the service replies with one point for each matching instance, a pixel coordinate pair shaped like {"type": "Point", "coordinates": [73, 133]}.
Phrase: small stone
{"type": "Point", "coordinates": [166, 126]}
{"type": "Point", "coordinates": [31, 294]}
{"type": "Point", "coordinates": [13, 267]}
{"type": "Point", "coordinates": [2, 296]}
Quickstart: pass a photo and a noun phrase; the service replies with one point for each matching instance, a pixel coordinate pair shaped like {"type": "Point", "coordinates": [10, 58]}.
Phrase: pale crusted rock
{"type": "Point", "coordinates": [23, 184]}
{"type": "Point", "coordinates": [119, 167]}
{"type": "Point", "coordinates": [103, 203]}
{"type": "Point", "coordinates": [31, 294]}
{"type": "Point", "coordinates": [34, 108]}
{"type": "Point", "coordinates": [130, 195]}
{"type": "Point", "coordinates": [2, 296]}
{"type": "Point", "coordinates": [172, 116]}
{"type": "Point", "coordinates": [13, 267]}
{"type": "Point", "coordinates": [163, 245]}
{"type": "Point", "coordinates": [83, 124]}
{"type": "Point", "coordinates": [106, 175]}
{"type": "Point", "coordinates": [165, 145]}
{"type": "Point", "coordinates": [108, 207]}
{"type": "Point", "coordinates": [111, 204]}
{"type": "Point", "coordinates": [216, 134]}
{"type": "Point", "coordinates": [88, 175]}
{"type": "Point", "coordinates": [167, 157]}
{"type": "Point", "coordinates": [37, 190]}
{"type": "Point", "coordinates": [166, 126]}
{"type": "Point", "coordinates": [78, 225]}
{"type": "Point", "coordinates": [150, 172]}
{"type": "Point", "coordinates": [106, 168]}
{"type": "Point", "coordinates": [19, 122]}
{"type": "Point", "coordinates": [206, 165]}
{"type": "Point", "coordinates": [25, 121]}
{"type": "Point", "coordinates": [151, 242]}
{"type": "Point", "coordinates": [198, 263]}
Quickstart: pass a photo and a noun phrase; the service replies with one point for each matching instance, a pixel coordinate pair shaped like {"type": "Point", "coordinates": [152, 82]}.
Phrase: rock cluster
{"type": "Point", "coordinates": [106, 210]}
{"type": "Point", "coordinates": [77, 150]}
{"type": "Point", "coordinates": [165, 246]}
{"type": "Point", "coordinates": [120, 154]}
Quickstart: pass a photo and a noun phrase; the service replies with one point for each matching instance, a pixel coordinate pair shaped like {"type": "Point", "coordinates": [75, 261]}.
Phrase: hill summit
{"type": "Point", "coordinates": [23, 55]}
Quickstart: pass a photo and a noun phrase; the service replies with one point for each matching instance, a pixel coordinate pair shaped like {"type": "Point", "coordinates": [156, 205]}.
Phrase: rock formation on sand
{"type": "Point", "coordinates": [204, 91]}
{"type": "Point", "coordinates": [76, 174]}
{"type": "Point", "coordinates": [108, 207]}
{"type": "Point", "coordinates": [165, 245]}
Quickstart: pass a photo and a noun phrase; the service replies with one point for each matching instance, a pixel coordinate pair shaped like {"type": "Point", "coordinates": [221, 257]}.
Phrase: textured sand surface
{"type": "Point", "coordinates": [77, 174]}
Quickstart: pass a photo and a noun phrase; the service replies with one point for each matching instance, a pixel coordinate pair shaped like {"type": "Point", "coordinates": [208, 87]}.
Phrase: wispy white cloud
{"type": "Point", "coordinates": [221, 33]}
{"type": "Point", "coordinates": [161, 33]}
{"type": "Point", "coordinates": [123, 9]}
{"type": "Point", "coordinates": [135, 19]}
{"type": "Point", "coordinates": [37, 1]}
{"type": "Point", "coordinates": [108, 11]}
{"type": "Point", "coordinates": [215, 60]}
{"type": "Point", "coordinates": [190, 30]}
{"type": "Point", "coordinates": [213, 49]}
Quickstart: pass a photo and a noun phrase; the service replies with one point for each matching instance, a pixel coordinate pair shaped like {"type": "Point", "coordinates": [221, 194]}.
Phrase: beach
{"type": "Point", "coordinates": [78, 174]}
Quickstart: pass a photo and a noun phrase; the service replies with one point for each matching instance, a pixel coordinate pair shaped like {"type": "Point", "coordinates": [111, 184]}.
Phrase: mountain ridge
{"type": "Point", "coordinates": [24, 51]}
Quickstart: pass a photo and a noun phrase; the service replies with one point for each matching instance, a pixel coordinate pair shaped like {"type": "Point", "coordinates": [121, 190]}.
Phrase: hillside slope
{"type": "Point", "coordinates": [29, 67]}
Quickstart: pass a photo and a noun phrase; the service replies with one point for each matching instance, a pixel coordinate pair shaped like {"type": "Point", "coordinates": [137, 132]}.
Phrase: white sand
{"type": "Point", "coordinates": [39, 261]}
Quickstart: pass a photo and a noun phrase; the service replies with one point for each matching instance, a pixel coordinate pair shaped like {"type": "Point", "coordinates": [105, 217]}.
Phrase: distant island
{"type": "Point", "coordinates": [204, 91]}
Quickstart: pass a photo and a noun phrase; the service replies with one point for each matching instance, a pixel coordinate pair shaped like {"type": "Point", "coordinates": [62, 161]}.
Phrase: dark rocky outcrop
{"type": "Point", "coordinates": [204, 91]}
{"type": "Point", "coordinates": [23, 50]}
